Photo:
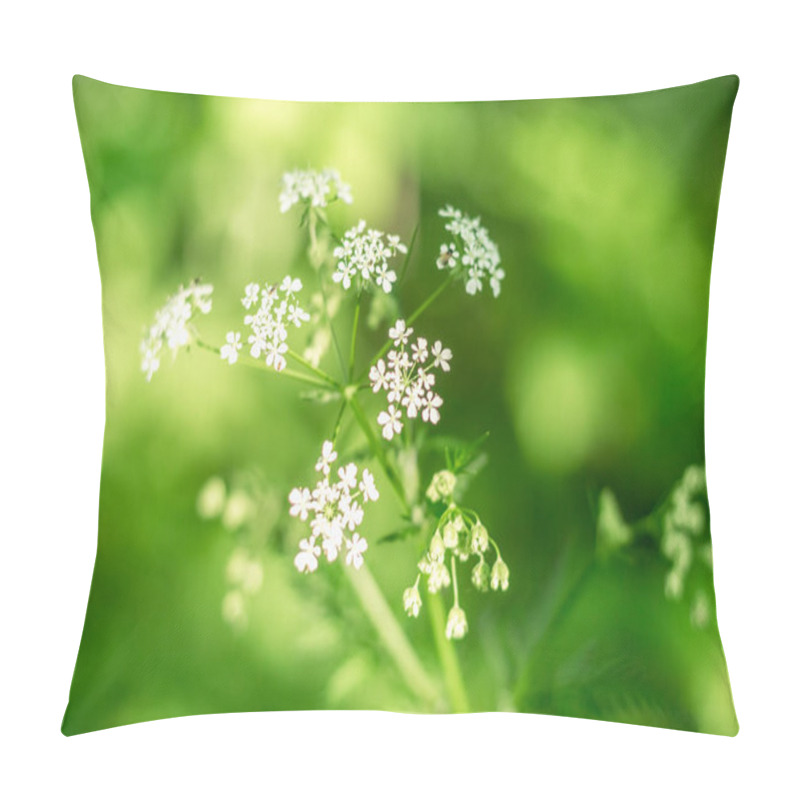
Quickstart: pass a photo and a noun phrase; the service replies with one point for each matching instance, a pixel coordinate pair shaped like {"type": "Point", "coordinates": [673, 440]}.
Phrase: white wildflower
{"type": "Point", "coordinates": [230, 350]}
{"type": "Point", "coordinates": [307, 559]}
{"type": "Point", "coordinates": [272, 308]}
{"type": "Point", "coordinates": [355, 547]}
{"type": "Point", "coordinates": [390, 423]}
{"type": "Point", "coordinates": [478, 259]}
{"type": "Point", "coordinates": [331, 510]}
{"type": "Point", "coordinates": [408, 380]}
{"type": "Point", "coordinates": [363, 256]}
{"type": "Point", "coordinates": [318, 188]}
{"type": "Point", "coordinates": [171, 324]}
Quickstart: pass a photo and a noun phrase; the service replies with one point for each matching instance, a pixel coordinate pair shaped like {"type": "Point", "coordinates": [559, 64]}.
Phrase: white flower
{"type": "Point", "coordinates": [329, 455]}
{"type": "Point", "coordinates": [390, 422]}
{"type": "Point", "coordinates": [367, 487]}
{"type": "Point", "coordinates": [456, 623]}
{"type": "Point", "coordinates": [408, 380]}
{"type": "Point", "coordinates": [378, 376]}
{"type": "Point", "coordinates": [275, 351]}
{"type": "Point", "coordinates": [479, 538]}
{"type": "Point", "coordinates": [441, 356]}
{"type": "Point", "coordinates": [365, 254]}
{"type": "Point", "coordinates": [479, 254]}
{"type": "Point", "coordinates": [273, 308]}
{"type": "Point", "coordinates": [412, 602]}
{"type": "Point", "coordinates": [230, 351]}
{"type": "Point", "coordinates": [331, 509]}
{"type": "Point", "coordinates": [301, 503]}
{"type": "Point", "coordinates": [400, 333]}
{"type": "Point", "coordinates": [307, 559]}
{"type": "Point", "coordinates": [430, 410]}
{"type": "Point", "coordinates": [318, 188]}
{"type": "Point", "coordinates": [251, 293]}
{"type": "Point", "coordinates": [419, 351]}
{"type": "Point", "coordinates": [171, 324]}
{"type": "Point", "coordinates": [355, 547]}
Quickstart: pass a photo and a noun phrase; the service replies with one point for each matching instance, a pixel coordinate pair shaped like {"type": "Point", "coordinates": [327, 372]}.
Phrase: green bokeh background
{"type": "Point", "coordinates": [588, 372]}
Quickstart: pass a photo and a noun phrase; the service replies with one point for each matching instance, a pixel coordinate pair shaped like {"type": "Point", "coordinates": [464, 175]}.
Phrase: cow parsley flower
{"type": "Point", "coordinates": [171, 326]}
{"type": "Point", "coordinates": [332, 509]}
{"type": "Point", "coordinates": [476, 258]}
{"type": "Point", "coordinates": [230, 350]}
{"type": "Point", "coordinates": [363, 258]}
{"type": "Point", "coordinates": [316, 188]}
{"type": "Point", "coordinates": [272, 310]}
{"type": "Point", "coordinates": [408, 380]}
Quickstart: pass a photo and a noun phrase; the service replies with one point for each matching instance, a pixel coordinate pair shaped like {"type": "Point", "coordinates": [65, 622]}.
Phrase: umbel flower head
{"type": "Point", "coordinates": [363, 258]}
{"type": "Point", "coordinates": [460, 535]}
{"type": "Point", "coordinates": [275, 308]}
{"type": "Point", "coordinates": [332, 510]}
{"type": "Point", "coordinates": [316, 188]}
{"type": "Point", "coordinates": [474, 254]}
{"type": "Point", "coordinates": [407, 377]}
{"type": "Point", "coordinates": [171, 326]}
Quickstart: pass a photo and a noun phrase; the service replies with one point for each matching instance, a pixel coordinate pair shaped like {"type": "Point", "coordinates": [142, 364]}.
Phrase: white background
{"type": "Point", "coordinates": [52, 386]}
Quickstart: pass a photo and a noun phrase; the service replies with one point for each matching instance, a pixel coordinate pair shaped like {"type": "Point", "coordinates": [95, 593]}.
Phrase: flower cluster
{"type": "Point", "coordinates": [333, 509]}
{"type": "Point", "coordinates": [275, 307]}
{"type": "Point", "coordinates": [363, 255]}
{"type": "Point", "coordinates": [461, 535]}
{"type": "Point", "coordinates": [475, 254]}
{"type": "Point", "coordinates": [408, 379]}
{"type": "Point", "coordinates": [684, 524]}
{"type": "Point", "coordinates": [683, 542]}
{"type": "Point", "coordinates": [318, 188]}
{"type": "Point", "coordinates": [171, 325]}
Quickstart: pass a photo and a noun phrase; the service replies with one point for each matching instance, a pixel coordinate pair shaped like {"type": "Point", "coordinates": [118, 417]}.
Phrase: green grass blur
{"type": "Point", "coordinates": [588, 371]}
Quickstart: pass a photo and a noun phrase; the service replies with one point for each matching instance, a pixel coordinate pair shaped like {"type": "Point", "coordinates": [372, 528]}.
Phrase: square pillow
{"type": "Point", "coordinates": [404, 407]}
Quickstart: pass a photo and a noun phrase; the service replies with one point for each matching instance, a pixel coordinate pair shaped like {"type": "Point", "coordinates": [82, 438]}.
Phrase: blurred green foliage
{"type": "Point", "coordinates": [588, 371]}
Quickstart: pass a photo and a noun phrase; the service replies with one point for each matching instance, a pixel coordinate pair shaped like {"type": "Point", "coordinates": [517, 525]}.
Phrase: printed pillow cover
{"type": "Point", "coordinates": [404, 407]}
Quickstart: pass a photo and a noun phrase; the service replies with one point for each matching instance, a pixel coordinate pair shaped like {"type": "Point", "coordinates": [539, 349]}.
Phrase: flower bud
{"type": "Point", "coordinates": [442, 486]}
{"type": "Point", "coordinates": [479, 538]}
{"type": "Point", "coordinates": [451, 530]}
{"type": "Point", "coordinates": [456, 623]}
{"type": "Point", "coordinates": [480, 576]}
{"type": "Point", "coordinates": [436, 548]}
{"type": "Point", "coordinates": [500, 575]}
{"type": "Point", "coordinates": [412, 602]}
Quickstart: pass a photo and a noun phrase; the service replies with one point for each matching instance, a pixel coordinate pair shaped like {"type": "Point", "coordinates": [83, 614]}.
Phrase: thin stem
{"type": "Point", "coordinates": [309, 366]}
{"type": "Point", "coordinates": [353, 338]}
{"type": "Point", "coordinates": [261, 365]}
{"type": "Point", "coordinates": [379, 452]}
{"type": "Point", "coordinates": [424, 305]}
{"type": "Point", "coordinates": [391, 634]}
{"type": "Point", "coordinates": [330, 324]}
{"type": "Point", "coordinates": [448, 658]}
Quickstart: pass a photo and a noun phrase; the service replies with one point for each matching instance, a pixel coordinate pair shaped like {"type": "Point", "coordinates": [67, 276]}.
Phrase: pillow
{"type": "Point", "coordinates": [404, 407]}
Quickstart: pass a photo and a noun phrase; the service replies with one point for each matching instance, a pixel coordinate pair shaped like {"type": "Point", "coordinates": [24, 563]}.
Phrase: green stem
{"type": "Point", "coordinates": [424, 305]}
{"type": "Point", "coordinates": [453, 680]}
{"type": "Point", "coordinates": [309, 366]}
{"type": "Point", "coordinates": [353, 338]}
{"type": "Point", "coordinates": [379, 451]}
{"type": "Point", "coordinates": [261, 365]}
{"type": "Point", "coordinates": [391, 634]}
